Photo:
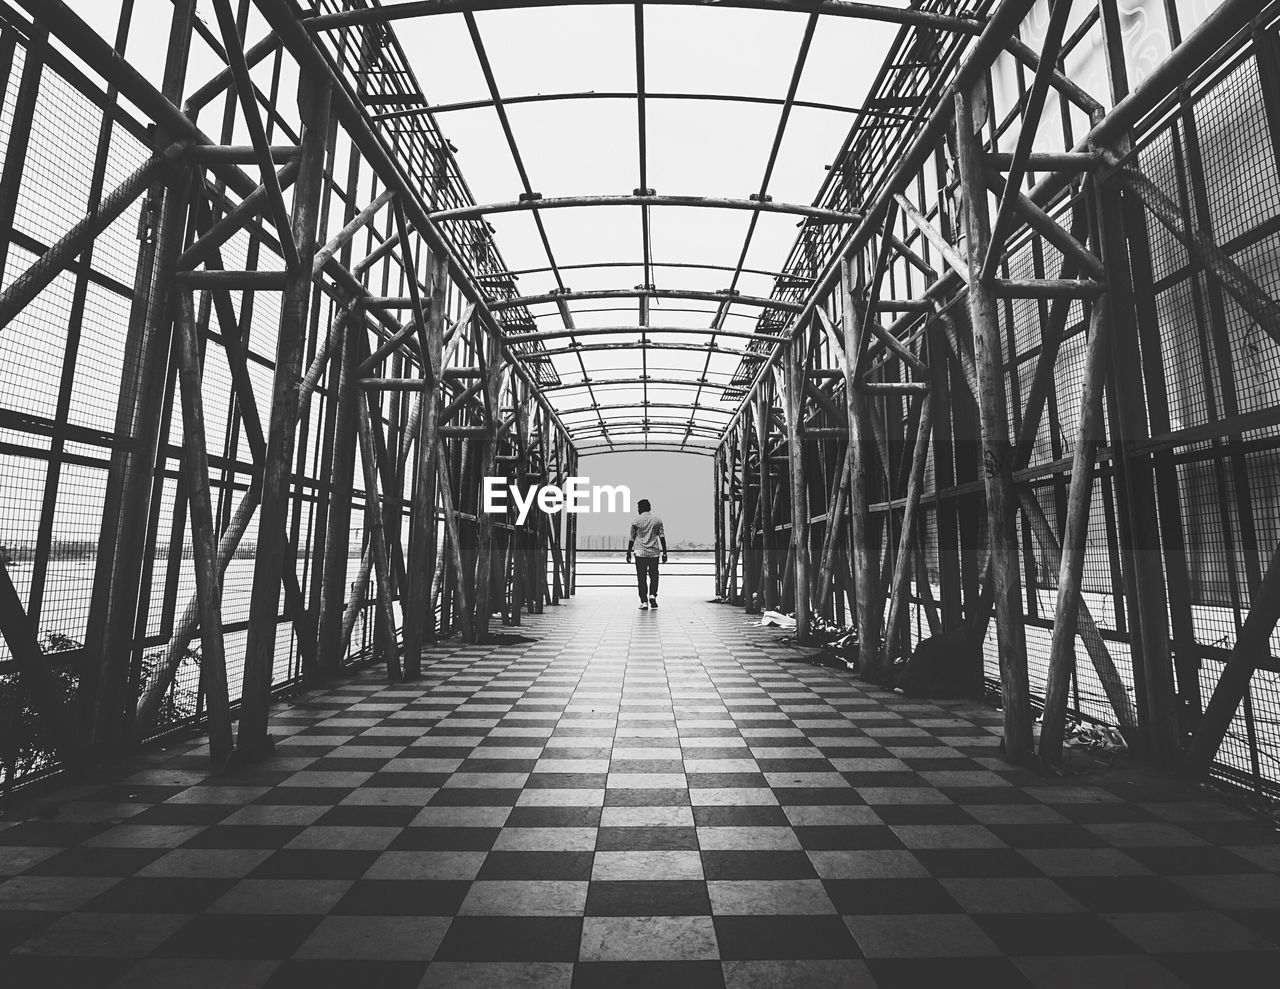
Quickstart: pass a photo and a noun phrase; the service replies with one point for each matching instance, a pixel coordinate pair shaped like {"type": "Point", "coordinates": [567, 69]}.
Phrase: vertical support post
{"type": "Point", "coordinates": [264, 603]}
{"type": "Point", "coordinates": [902, 566]}
{"type": "Point", "coordinates": [484, 521]}
{"type": "Point", "coordinates": [1062, 648]}
{"type": "Point", "coordinates": [139, 414]}
{"type": "Point", "coordinates": [748, 509]}
{"type": "Point", "coordinates": [769, 568]}
{"type": "Point", "coordinates": [378, 537]}
{"type": "Point", "coordinates": [1144, 566]}
{"type": "Point", "coordinates": [997, 451]}
{"type": "Point", "coordinates": [337, 537]}
{"type": "Point", "coordinates": [195, 461]}
{"type": "Point", "coordinates": [717, 511]}
{"type": "Point", "coordinates": [794, 398]}
{"type": "Point", "coordinates": [864, 566]}
{"type": "Point", "coordinates": [419, 613]}
{"type": "Point", "coordinates": [454, 540]}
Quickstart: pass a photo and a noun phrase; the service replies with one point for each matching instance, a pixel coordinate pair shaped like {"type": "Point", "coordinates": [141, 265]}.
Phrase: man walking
{"type": "Point", "coordinates": [646, 540]}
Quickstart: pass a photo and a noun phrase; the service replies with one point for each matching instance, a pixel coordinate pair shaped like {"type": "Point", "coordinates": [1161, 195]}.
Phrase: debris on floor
{"type": "Point", "coordinates": [776, 619]}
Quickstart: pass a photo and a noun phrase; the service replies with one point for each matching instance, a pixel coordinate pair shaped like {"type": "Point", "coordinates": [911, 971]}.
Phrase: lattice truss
{"type": "Point", "coordinates": [1002, 344]}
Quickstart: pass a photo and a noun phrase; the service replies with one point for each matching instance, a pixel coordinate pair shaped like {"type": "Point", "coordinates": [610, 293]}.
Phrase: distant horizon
{"type": "Point", "coordinates": [677, 484]}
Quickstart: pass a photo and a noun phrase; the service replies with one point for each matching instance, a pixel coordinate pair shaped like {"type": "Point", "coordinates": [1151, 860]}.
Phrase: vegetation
{"type": "Point", "coordinates": [25, 751]}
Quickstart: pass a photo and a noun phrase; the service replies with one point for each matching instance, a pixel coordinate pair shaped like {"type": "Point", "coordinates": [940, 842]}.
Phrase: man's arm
{"type": "Point", "coordinates": [662, 538]}
{"type": "Point", "coordinates": [631, 538]}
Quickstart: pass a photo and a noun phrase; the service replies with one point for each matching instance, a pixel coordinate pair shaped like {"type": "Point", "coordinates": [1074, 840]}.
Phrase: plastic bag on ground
{"type": "Point", "coordinates": [776, 619]}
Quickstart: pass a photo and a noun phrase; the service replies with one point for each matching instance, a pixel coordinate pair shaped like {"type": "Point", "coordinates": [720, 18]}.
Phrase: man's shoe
{"type": "Point", "coordinates": [653, 602]}
{"type": "Point", "coordinates": [644, 605]}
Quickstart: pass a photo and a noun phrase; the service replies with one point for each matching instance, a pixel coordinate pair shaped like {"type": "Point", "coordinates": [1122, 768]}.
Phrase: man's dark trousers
{"type": "Point", "coordinates": [647, 567]}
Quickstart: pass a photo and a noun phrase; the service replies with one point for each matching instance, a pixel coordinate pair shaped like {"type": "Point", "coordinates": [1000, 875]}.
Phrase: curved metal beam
{"type": "Point", "coordinates": [701, 348]}
{"type": "Point", "coordinates": [834, 8]}
{"type": "Point", "coordinates": [695, 202]}
{"type": "Point", "coordinates": [658, 425]}
{"type": "Point", "coordinates": [594, 409]}
{"type": "Point", "coordinates": [595, 331]}
{"type": "Point", "coordinates": [499, 305]}
{"type": "Point", "coordinates": [689, 265]}
{"type": "Point", "coordinates": [633, 382]}
{"type": "Point", "coordinates": [424, 111]}
{"type": "Point", "coordinates": [693, 449]}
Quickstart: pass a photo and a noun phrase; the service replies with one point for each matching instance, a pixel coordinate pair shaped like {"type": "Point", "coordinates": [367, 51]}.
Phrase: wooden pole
{"type": "Point", "coordinates": [1094, 644]}
{"type": "Point", "coordinates": [419, 619]}
{"type": "Point", "coordinates": [835, 528]}
{"type": "Point", "coordinates": [487, 466]}
{"type": "Point", "coordinates": [252, 739]}
{"type": "Point", "coordinates": [793, 394]}
{"type": "Point", "coordinates": [195, 462]}
{"type": "Point", "coordinates": [717, 512]}
{"type": "Point", "coordinates": [902, 564]}
{"type": "Point", "coordinates": [768, 579]}
{"type": "Point", "coordinates": [864, 566]}
{"type": "Point", "coordinates": [378, 537]}
{"type": "Point", "coordinates": [1062, 648]}
{"type": "Point", "coordinates": [330, 643]}
{"type": "Point", "coordinates": [748, 512]}
{"type": "Point", "coordinates": [997, 451]}
{"type": "Point", "coordinates": [459, 584]}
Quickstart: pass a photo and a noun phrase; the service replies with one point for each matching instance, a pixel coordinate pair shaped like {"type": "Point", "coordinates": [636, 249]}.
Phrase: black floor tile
{"type": "Point", "coordinates": [49, 833]}
{"type": "Point", "coordinates": [537, 865]}
{"type": "Point", "coordinates": [553, 817]}
{"type": "Point", "coordinates": [946, 813]}
{"type": "Point", "coordinates": [1041, 934]}
{"type": "Point", "coordinates": [511, 939]}
{"type": "Point", "coordinates": [881, 896]}
{"type": "Point", "coordinates": [913, 973]}
{"type": "Point", "coordinates": [184, 814]}
{"type": "Point", "coordinates": [818, 796]}
{"type": "Point", "coordinates": [17, 926]}
{"type": "Point", "coordinates": [89, 860]}
{"type": "Point", "coordinates": [305, 796]}
{"type": "Point", "coordinates": [1189, 860]}
{"type": "Point", "coordinates": [757, 865]}
{"type": "Point", "coordinates": [369, 816]}
{"type": "Point", "coordinates": [647, 975]}
{"type": "Point", "coordinates": [300, 863]}
{"type": "Point", "coordinates": [445, 839]}
{"type": "Point", "coordinates": [1046, 836]}
{"type": "Point", "coordinates": [467, 797]}
{"type": "Point", "coordinates": [646, 839]}
{"type": "Point", "coordinates": [244, 836]}
{"type": "Point", "coordinates": [142, 894]}
{"type": "Point", "coordinates": [847, 838]}
{"type": "Point", "coordinates": [340, 974]}
{"type": "Point", "coordinates": [238, 936]}
{"type": "Point", "coordinates": [390, 778]}
{"type": "Point", "coordinates": [740, 817]}
{"type": "Point", "coordinates": [50, 971]}
{"type": "Point", "coordinates": [648, 898]}
{"type": "Point", "coordinates": [1128, 894]}
{"type": "Point", "coordinates": [1215, 969]}
{"type": "Point", "coordinates": [404, 897]}
{"type": "Point", "coordinates": [637, 797]}
{"type": "Point", "coordinates": [784, 937]}
{"type": "Point", "coordinates": [956, 863]}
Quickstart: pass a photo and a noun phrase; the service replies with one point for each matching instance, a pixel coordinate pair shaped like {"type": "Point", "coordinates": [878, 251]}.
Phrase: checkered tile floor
{"type": "Point", "coordinates": [633, 799]}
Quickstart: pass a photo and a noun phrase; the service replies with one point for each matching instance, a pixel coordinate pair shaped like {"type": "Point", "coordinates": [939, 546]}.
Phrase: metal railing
{"type": "Point", "coordinates": [607, 568]}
